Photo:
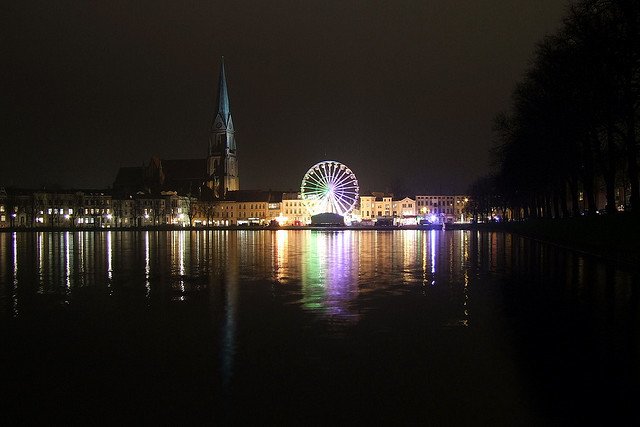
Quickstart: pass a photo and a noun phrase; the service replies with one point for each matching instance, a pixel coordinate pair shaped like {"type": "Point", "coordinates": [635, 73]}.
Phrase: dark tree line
{"type": "Point", "coordinates": [573, 125]}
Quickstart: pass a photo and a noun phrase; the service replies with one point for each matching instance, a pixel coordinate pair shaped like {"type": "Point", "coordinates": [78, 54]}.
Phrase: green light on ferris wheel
{"type": "Point", "coordinates": [330, 186]}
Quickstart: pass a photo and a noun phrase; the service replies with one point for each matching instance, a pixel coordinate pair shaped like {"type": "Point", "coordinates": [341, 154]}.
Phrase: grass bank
{"type": "Point", "coordinates": [614, 237]}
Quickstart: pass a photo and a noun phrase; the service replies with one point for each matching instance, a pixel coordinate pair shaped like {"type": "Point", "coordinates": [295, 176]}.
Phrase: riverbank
{"type": "Point", "coordinates": [614, 237]}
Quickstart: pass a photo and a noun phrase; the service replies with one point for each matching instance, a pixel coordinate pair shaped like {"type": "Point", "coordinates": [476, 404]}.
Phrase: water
{"type": "Point", "coordinates": [439, 327]}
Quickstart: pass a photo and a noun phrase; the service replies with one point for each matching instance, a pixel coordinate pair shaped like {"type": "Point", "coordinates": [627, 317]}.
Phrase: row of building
{"type": "Point", "coordinates": [108, 209]}
{"type": "Point", "coordinates": [91, 209]}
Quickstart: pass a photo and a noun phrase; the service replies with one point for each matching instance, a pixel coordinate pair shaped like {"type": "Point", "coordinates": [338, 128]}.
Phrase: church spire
{"type": "Point", "coordinates": [224, 110]}
{"type": "Point", "coordinates": [222, 163]}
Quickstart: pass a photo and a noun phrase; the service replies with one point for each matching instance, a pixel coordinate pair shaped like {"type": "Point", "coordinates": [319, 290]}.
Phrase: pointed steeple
{"type": "Point", "coordinates": [224, 111]}
{"type": "Point", "coordinates": [222, 163]}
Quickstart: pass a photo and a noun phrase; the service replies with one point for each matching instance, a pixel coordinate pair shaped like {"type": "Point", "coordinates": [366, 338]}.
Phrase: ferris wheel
{"type": "Point", "coordinates": [329, 186]}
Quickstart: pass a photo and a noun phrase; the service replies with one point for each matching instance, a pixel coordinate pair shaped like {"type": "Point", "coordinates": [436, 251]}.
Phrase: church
{"type": "Point", "coordinates": [209, 178]}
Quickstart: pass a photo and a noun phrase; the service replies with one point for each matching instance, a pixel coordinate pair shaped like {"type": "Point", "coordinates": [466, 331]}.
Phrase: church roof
{"type": "Point", "coordinates": [183, 175]}
{"type": "Point", "coordinates": [184, 169]}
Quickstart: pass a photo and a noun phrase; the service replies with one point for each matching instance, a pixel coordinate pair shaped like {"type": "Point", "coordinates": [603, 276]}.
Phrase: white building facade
{"type": "Point", "coordinates": [442, 209]}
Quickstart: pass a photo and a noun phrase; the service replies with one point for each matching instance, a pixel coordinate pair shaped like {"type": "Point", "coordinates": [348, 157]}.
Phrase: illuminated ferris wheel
{"type": "Point", "coordinates": [329, 186]}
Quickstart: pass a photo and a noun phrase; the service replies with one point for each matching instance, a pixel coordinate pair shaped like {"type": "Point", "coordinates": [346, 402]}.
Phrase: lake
{"type": "Point", "coordinates": [285, 326]}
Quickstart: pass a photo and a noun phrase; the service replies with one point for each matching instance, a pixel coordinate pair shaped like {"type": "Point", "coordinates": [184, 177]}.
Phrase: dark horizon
{"type": "Point", "coordinates": [403, 94]}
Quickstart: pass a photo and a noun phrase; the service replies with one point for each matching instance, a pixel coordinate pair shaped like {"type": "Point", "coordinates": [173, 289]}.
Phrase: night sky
{"type": "Point", "coordinates": [403, 92]}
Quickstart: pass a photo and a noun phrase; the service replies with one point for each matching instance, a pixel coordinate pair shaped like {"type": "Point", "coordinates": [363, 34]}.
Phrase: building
{"type": "Point", "coordinates": [442, 209]}
{"type": "Point", "coordinates": [222, 162]}
{"type": "Point", "coordinates": [95, 210]}
{"type": "Point", "coordinates": [374, 206]}
{"type": "Point", "coordinates": [5, 209]}
{"type": "Point", "coordinates": [16, 208]}
{"type": "Point", "coordinates": [404, 211]}
{"type": "Point", "coordinates": [381, 206]}
{"type": "Point", "coordinates": [410, 211]}
{"type": "Point", "coordinates": [245, 207]}
{"type": "Point", "coordinates": [295, 211]}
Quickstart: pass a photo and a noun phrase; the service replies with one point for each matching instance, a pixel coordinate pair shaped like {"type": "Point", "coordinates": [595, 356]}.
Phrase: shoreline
{"type": "Point", "coordinates": [614, 238]}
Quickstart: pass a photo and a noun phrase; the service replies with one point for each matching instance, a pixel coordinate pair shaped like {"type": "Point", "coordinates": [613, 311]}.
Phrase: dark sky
{"type": "Point", "coordinates": [403, 92]}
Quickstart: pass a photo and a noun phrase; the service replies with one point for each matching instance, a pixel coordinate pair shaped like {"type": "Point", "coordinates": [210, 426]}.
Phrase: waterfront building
{"type": "Point", "coordinates": [294, 209]}
{"type": "Point", "coordinates": [18, 205]}
{"type": "Point", "coordinates": [58, 208]}
{"type": "Point", "coordinates": [95, 210]}
{"type": "Point", "coordinates": [366, 208]}
{"type": "Point", "coordinates": [148, 210]}
{"type": "Point", "coordinates": [442, 208]}
{"type": "Point", "coordinates": [375, 206]}
{"type": "Point", "coordinates": [410, 211]}
{"type": "Point", "coordinates": [244, 207]}
{"type": "Point", "coordinates": [404, 211]}
{"type": "Point", "coordinates": [125, 212]}
{"type": "Point", "coordinates": [5, 209]}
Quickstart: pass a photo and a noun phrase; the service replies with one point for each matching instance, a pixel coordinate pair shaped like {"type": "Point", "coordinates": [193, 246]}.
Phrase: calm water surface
{"type": "Point", "coordinates": [310, 326]}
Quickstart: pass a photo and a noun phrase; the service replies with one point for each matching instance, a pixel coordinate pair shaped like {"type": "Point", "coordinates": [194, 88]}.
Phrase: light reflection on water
{"type": "Point", "coordinates": [327, 271]}
{"type": "Point", "coordinates": [432, 295]}
{"type": "Point", "coordinates": [330, 268]}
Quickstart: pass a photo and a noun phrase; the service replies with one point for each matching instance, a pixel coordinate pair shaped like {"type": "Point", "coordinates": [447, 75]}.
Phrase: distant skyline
{"type": "Point", "coordinates": [402, 92]}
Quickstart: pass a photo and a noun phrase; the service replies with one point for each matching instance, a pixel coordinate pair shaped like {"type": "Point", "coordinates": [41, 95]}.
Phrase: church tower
{"type": "Point", "coordinates": [222, 163]}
